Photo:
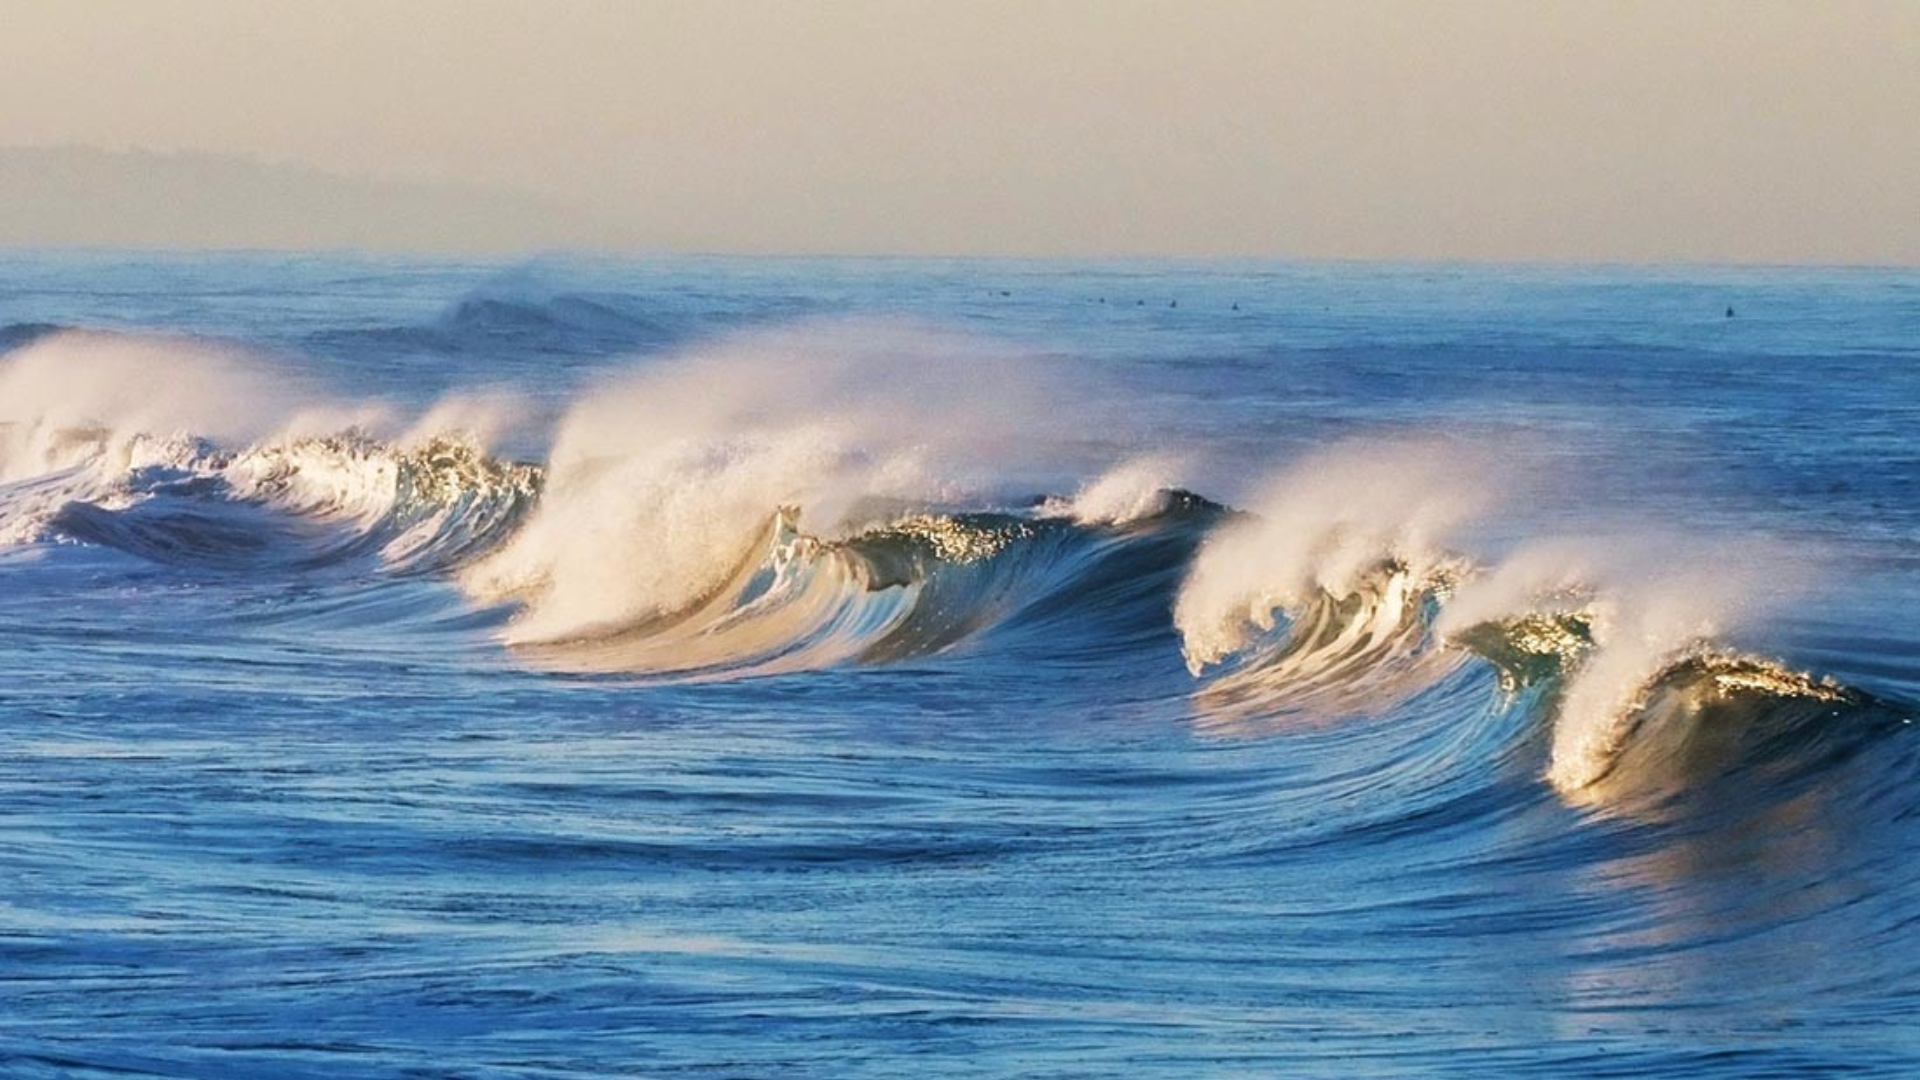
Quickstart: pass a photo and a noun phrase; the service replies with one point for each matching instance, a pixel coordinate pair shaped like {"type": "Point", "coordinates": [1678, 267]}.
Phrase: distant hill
{"type": "Point", "coordinates": [64, 196]}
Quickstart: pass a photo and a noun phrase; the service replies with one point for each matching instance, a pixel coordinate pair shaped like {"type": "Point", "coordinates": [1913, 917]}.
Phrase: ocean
{"type": "Point", "coordinates": [841, 668]}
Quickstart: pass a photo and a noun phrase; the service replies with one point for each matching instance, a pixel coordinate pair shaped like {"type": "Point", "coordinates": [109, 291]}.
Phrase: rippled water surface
{"type": "Point", "coordinates": [817, 668]}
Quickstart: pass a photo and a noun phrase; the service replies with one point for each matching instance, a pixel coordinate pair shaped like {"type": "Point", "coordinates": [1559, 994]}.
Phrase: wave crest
{"type": "Point", "coordinates": [1342, 594]}
{"type": "Point", "coordinates": [660, 480]}
{"type": "Point", "coordinates": [1322, 530]}
{"type": "Point", "coordinates": [176, 449]}
{"type": "Point", "coordinates": [913, 586]}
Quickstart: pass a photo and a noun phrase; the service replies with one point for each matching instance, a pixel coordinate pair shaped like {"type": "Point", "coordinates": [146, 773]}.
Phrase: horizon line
{"type": "Point", "coordinates": [620, 254]}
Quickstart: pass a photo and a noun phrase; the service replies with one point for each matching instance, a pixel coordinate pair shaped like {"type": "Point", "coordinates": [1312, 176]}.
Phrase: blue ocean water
{"type": "Point", "coordinates": [847, 668]}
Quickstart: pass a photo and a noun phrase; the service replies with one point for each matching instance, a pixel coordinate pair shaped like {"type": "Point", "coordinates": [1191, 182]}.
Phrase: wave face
{"type": "Point", "coordinates": [604, 664]}
{"type": "Point", "coordinates": [306, 503]}
{"type": "Point", "coordinates": [916, 586]}
{"type": "Point", "coordinates": [660, 483]}
{"type": "Point", "coordinates": [1345, 596]}
{"type": "Point", "coordinates": [149, 467]}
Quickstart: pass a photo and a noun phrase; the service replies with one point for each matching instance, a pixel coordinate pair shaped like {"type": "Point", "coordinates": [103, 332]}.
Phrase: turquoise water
{"type": "Point", "coordinates": [851, 668]}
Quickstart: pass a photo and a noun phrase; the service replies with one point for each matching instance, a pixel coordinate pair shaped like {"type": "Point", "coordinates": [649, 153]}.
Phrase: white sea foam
{"type": "Point", "coordinates": [83, 398]}
{"type": "Point", "coordinates": [1648, 601]}
{"type": "Point", "coordinates": [99, 418]}
{"type": "Point", "coordinates": [660, 481]}
{"type": "Point", "coordinates": [1363, 524]}
{"type": "Point", "coordinates": [1318, 529]}
{"type": "Point", "coordinates": [1131, 491]}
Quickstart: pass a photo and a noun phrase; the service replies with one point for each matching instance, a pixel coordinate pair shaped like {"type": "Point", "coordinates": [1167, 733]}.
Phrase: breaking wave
{"type": "Point", "coordinates": [189, 453]}
{"type": "Point", "coordinates": [917, 585]}
{"type": "Point", "coordinates": [1345, 596]}
{"type": "Point", "coordinates": [847, 495]}
{"type": "Point", "coordinates": [303, 502]}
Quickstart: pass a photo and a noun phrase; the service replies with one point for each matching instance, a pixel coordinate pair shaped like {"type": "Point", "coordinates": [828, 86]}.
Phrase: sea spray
{"type": "Point", "coordinates": [1646, 602]}
{"type": "Point", "coordinates": [1319, 528]}
{"type": "Point", "coordinates": [95, 427]}
{"type": "Point", "coordinates": [1130, 491]}
{"type": "Point", "coordinates": [661, 479]}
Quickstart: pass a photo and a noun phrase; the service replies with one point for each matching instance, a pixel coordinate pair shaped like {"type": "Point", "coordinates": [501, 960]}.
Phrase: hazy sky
{"type": "Point", "coordinates": [1716, 131]}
